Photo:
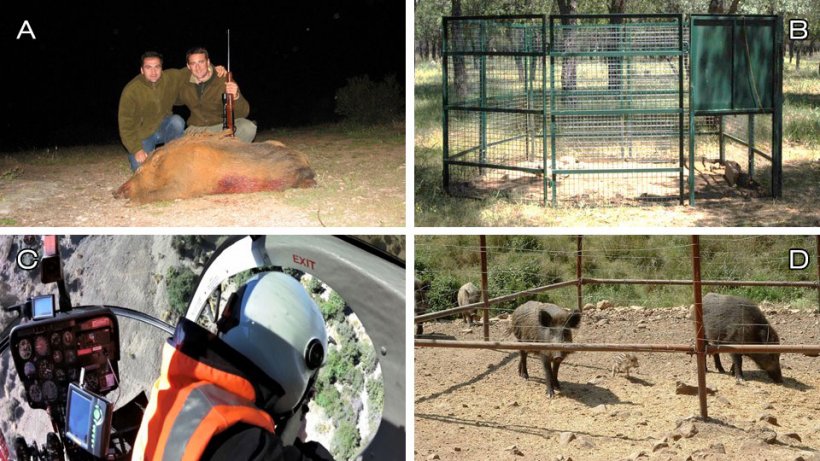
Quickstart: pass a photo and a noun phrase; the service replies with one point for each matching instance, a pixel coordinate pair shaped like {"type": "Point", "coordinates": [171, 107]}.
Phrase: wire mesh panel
{"type": "Point", "coordinates": [494, 106]}
{"type": "Point", "coordinates": [616, 108]}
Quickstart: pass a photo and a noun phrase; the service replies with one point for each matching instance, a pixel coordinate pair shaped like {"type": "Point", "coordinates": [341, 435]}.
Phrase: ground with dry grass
{"type": "Point", "coordinates": [472, 405]}
{"type": "Point", "coordinates": [360, 177]}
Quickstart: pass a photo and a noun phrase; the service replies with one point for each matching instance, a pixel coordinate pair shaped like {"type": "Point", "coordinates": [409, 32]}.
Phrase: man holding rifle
{"type": "Point", "coordinates": [202, 93]}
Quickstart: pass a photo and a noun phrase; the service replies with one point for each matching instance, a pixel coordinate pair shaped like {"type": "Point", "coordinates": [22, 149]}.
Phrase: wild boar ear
{"type": "Point", "coordinates": [544, 318]}
{"type": "Point", "coordinates": [574, 319]}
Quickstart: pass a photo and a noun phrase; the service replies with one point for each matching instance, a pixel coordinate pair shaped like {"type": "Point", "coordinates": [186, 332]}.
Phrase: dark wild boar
{"type": "Point", "coordinates": [421, 289]}
{"type": "Point", "coordinates": [734, 320]}
{"type": "Point", "coordinates": [534, 321]}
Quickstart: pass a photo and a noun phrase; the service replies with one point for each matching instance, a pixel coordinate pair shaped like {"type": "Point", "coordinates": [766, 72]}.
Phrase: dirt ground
{"type": "Point", "coordinates": [470, 404]}
{"type": "Point", "coordinates": [360, 182]}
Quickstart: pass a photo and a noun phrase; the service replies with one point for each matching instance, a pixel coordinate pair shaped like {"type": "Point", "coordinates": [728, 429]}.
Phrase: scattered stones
{"type": "Point", "coordinates": [793, 436]}
{"type": "Point", "coordinates": [604, 304]}
{"type": "Point", "coordinates": [687, 429]}
{"type": "Point", "coordinates": [764, 434]}
{"type": "Point", "coordinates": [456, 448]}
{"type": "Point", "coordinates": [767, 418]}
{"type": "Point", "coordinates": [433, 456]}
{"type": "Point", "coordinates": [600, 409]}
{"type": "Point", "coordinates": [768, 406]}
{"type": "Point", "coordinates": [589, 306]}
{"type": "Point", "coordinates": [514, 450]}
{"type": "Point", "coordinates": [686, 389]}
{"type": "Point", "coordinates": [659, 446]}
{"type": "Point", "coordinates": [602, 322]}
{"type": "Point", "coordinates": [638, 455]}
{"type": "Point", "coordinates": [566, 437]}
{"type": "Point", "coordinates": [467, 330]}
{"type": "Point", "coordinates": [584, 442]}
{"type": "Point", "coordinates": [514, 403]}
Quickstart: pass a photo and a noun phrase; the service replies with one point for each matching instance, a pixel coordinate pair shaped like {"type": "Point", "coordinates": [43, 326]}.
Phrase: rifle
{"type": "Point", "coordinates": [227, 99]}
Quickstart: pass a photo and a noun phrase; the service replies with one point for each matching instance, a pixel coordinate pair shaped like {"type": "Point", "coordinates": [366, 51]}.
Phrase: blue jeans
{"type": "Point", "coordinates": [169, 129]}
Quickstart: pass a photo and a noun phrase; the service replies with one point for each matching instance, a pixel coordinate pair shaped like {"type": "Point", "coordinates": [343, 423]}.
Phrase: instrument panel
{"type": "Point", "coordinates": [49, 354]}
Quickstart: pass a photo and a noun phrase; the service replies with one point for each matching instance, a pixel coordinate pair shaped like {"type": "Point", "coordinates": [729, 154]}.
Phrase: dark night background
{"type": "Point", "coordinates": [289, 59]}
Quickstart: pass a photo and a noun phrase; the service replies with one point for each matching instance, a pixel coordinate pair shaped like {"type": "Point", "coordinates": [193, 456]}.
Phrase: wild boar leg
{"type": "Point", "coordinates": [522, 365]}
{"type": "Point", "coordinates": [737, 365]}
{"type": "Point", "coordinates": [550, 377]}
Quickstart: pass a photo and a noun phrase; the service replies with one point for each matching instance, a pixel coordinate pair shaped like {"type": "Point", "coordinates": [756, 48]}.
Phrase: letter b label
{"type": "Point", "coordinates": [798, 29]}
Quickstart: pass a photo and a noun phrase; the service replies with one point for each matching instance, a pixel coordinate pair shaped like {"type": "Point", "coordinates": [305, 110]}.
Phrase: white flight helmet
{"type": "Point", "coordinates": [282, 331]}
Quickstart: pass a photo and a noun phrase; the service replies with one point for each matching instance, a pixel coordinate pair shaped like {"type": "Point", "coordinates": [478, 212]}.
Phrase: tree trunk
{"type": "Point", "coordinates": [568, 69]}
{"type": "Point", "coordinates": [615, 64]}
{"type": "Point", "coordinates": [459, 70]}
{"type": "Point", "coordinates": [715, 6]}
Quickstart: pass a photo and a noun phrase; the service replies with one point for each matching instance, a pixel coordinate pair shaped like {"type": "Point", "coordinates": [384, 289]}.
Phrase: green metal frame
{"type": "Point", "coordinates": [549, 109]}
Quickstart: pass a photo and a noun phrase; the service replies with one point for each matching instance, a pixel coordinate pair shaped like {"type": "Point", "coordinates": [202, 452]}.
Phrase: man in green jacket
{"type": "Point", "coordinates": [145, 116]}
{"type": "Point", "coordinates": [202, 93]}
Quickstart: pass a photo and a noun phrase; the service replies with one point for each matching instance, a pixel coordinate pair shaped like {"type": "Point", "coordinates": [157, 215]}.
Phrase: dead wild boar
{"type": "Point", "coordinates": [211, 163]}
{"type": "Point", "coordinates": [534, 321]}
{"type": "Point", "coordinates": [469, 294]}
{"type": "Point", "coordinates": [735, 320]}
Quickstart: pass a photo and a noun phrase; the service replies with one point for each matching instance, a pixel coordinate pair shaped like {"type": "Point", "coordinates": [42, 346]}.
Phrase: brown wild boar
{"type": "Point", "coordinates": [534, 321]}
{"type": "Point", "coordinates": [209, 163]}
{"type": "Point", "coordinates": [469, 294]}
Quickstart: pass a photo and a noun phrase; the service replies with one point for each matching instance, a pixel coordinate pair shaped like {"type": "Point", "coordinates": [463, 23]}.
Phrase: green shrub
{"type": "Point", "coordinates": [365, 101]}
{"type": "Point", "coordinates": [443, 293]}
{"type": "Point", "coordinates": [375, 393]}
{"type": "Point", "coordinates": [179, 282]}
{"type": "Point", "coordinates": [345, 440]}
{"type": "Point", "coordinates": [333, 308]}
{"type": "Point", "coordinates": [367, 357]}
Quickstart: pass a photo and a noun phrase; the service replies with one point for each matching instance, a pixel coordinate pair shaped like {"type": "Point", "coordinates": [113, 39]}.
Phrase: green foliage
{"type": "Point", "coordinates": [365, 101]}
{"type": "Point", "coordinates": [443, 292]}
{"type": "Point", "coordinates": [346, 440]}
{"type": "Point", "coordinates": [367, 357]}
{"type": "Point", "coordinates": [375, 392]}
{"type": "Point", "coordinates": [179, 282]}
{"type": "Point", "coordinates": [333, 308]}
{"type": "Point", "coordinates": [659, 257]}
{"type": "Point", "coordinates": [330, 399]}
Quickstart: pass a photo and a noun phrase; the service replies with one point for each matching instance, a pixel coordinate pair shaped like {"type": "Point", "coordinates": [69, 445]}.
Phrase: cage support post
{"type": "Point", "coordinates": [552, 113]}
{"type": "Point", "coordinates": [751, 146]}
{"type": "Point", "coordinates": [777, 113]}
{"type": "Point", "coordinates": [445, 148]}
{"type": "Point", "coordinates": [482, 239]}
{"type": "Point", "coordinates": [544, 50]}
{"type": "Point", "coordinates": [482, 103]}
{"type": "Point", "coordinates": [579, 272]}
{"type": "Point", "coordinates": [721, 139]}
{"type": "Point", "coordinates": [817, 261]}
{"type": "Point", "coordinates": [527, 91]}
{"type": "Point", "coordinates": [681, 70]}
{"type": "Point", "coordinates": [700, 340]}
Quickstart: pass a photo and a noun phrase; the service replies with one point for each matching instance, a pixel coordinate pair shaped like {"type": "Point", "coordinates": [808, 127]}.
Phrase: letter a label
{"type": "Point", "coordinates": [26, 29]}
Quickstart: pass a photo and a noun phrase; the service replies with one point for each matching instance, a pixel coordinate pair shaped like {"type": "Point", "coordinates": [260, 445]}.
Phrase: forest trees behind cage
{"type": "Point", "coordinates": [517, 263]}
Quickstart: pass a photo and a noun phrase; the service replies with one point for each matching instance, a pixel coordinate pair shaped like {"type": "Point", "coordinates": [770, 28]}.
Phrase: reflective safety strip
{"type": "Point", "coordinates": [207, 411]}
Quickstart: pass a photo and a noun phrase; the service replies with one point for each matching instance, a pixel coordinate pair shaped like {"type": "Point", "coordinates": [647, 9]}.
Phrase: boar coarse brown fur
{"type": "Point", "coordinates": [211, 163]}
{"type": "Point", "coordinates": [734, 320]}
{"type": "Point", "coordinates": [469, 294]}
{"type": "Point", "coordinates": [534, 321]}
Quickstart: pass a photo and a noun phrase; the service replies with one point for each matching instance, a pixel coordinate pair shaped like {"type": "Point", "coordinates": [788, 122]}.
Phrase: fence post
{"type": "Point", "coordinates": [579, 276]}
{"type": "Point", "coordinates": [700, 342]}
{"type": "Point", "coordinates": [484, 294]}
{"type": "Point", "coordinates": [817, 261]}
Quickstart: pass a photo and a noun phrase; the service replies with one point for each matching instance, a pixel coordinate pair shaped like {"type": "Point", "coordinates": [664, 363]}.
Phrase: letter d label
{"type": "Point", "coordinates": [793, 265]}
{"type": "Point", "coordinates": [798, 29]}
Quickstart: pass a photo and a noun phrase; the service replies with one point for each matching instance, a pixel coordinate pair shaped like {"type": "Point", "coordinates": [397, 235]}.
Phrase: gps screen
{"type": "Point", "coordinates": [79, 419]}
{"type": "Point", "coordinates": [42, 307]}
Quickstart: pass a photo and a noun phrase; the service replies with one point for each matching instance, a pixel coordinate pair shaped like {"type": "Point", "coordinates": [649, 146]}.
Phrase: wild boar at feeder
{"type": "Point", "coordinates": [735, 320]}
{"type": "Point", "coordinates": [209, 163]}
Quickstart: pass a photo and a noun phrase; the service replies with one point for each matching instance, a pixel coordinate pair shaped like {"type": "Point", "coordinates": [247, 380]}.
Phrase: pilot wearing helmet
{"type": "Point", "coordinates": [228, 397]}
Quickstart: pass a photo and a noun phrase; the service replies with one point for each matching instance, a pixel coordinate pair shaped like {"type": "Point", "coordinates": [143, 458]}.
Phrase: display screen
{"type": "Point", "coordinates": [79, 418]}
{"type": "Point", "coordinates": [88, 420]}
{"type": "Point", "coordinates": [42, 307]}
